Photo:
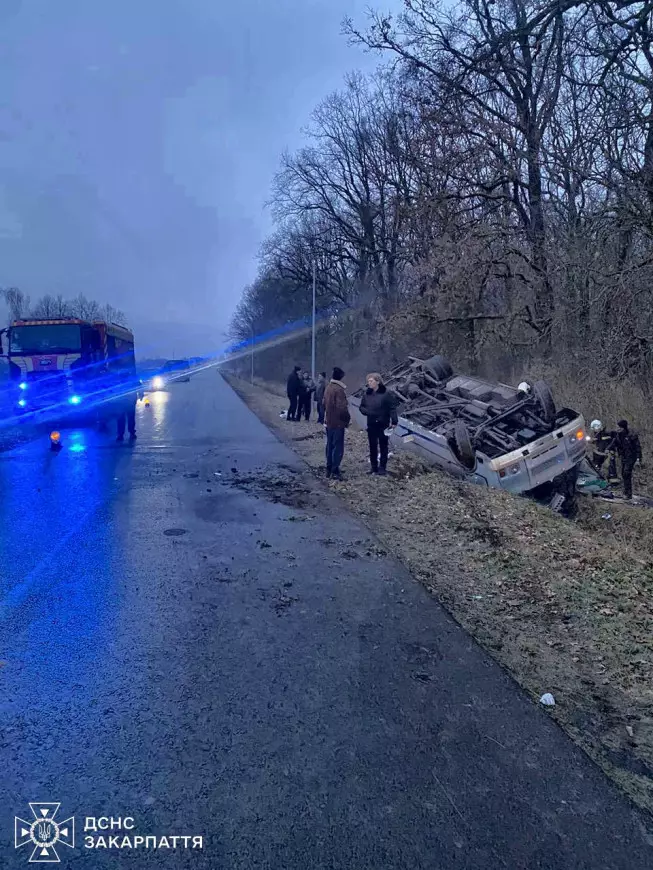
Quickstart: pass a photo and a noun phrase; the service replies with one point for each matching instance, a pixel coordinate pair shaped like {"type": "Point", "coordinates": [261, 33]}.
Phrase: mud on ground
{"type": "Point", "coordinates": [566, 607]}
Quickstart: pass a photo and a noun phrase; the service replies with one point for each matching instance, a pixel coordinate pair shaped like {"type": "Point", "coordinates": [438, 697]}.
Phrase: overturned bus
{"type": "Point", "coordinates": [488, 433]}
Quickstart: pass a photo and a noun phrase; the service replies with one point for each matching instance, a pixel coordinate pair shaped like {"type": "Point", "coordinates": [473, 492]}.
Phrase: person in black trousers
{"type": "Point", "coordinates": [627, 445]}
{"type": "Point", "coordinates": [319, 396]}
{"type": "Point", "coordinates": [127, 388]}
{"type": "Point", "coordinates": [306, 390]}
{"type": "Point", "coordinates": [293, 386]}
{"type": "Point", "coordinates": [379, 406]}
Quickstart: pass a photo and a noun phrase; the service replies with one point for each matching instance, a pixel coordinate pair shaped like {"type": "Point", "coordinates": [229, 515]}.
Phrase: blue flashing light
{"type": "Point", "coordinates": [22, 386]}
{"type": "Point", "coordinates": [22, 403]}
{"type": "Point", "coordinates": [75, 400]}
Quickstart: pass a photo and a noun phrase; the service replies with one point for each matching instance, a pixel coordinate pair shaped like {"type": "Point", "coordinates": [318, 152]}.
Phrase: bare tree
{"type": "Point", "coordinates": [17, 302]}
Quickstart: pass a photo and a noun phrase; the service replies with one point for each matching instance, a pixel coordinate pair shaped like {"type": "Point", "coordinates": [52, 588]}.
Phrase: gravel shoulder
{"type": "Point", "coordinates": [566, 607]}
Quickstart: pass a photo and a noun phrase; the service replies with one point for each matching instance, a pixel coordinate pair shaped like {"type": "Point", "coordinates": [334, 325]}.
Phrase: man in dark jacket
{"type": "Point", "coordinates": [379, 406]}
{"type": "Point", "coordinates": [293, 386]}
{"type": "Point", "coordinates": [337, 419]}
{"type": "Point", "coordinates": [626, 444]}
{"type": "Point", "coordinates": [319, 396]}
{"type": "Point", "coordinates": [306, 390]}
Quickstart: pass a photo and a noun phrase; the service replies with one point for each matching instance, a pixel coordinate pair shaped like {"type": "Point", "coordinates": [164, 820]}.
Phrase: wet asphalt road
{"type": "Point", "coordinates": [263, 676]}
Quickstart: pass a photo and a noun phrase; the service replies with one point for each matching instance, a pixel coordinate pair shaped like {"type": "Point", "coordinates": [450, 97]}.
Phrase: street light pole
{"type": "Point", "coordinates": [252, 355]}
{"type": "Point", "coordinates": [313, 332]}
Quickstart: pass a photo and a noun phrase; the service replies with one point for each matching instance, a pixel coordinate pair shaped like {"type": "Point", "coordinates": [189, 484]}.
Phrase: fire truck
{"type": "Point", "coordinates": [57, 363]}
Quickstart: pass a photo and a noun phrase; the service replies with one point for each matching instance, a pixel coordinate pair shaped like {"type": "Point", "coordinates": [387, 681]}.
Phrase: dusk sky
{"type": "Point", "coordinates": [138, 140]}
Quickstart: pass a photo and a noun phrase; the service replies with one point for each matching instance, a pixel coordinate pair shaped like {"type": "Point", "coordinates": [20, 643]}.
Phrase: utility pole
{"type": "Point", "coordinates": [252, 355]}
{"type": "Point", "coordinates": [313, 332]}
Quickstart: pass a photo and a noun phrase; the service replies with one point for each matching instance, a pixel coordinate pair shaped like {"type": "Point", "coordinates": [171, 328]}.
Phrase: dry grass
{"type": "Point", "coordinates": [566, 607]}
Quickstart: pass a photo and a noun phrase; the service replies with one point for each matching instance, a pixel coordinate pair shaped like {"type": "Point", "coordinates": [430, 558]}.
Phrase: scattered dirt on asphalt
{"type": "Point", "coordinates": [280, 485]}
{"type": "Point", "coordinates": [566, 607]}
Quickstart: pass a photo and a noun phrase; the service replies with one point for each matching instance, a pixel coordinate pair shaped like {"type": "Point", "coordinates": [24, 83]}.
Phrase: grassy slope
{"type": "Point", "coordinates": [566, 607]}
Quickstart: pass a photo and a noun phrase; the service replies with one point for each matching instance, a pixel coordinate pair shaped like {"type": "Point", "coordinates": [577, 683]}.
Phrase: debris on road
{"type": "Point", "coordinates": [283, 602]}
{"type": "Point", "coordinates": [548, 700]}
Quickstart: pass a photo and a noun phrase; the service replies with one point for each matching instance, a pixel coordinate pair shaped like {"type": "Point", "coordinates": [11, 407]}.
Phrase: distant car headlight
{"type": "Point", "coordinates": [158, 383]}
{"type": "Point", "coordinates": [22, 386]}
{"type": "Point", "coordinates": [21, 403]}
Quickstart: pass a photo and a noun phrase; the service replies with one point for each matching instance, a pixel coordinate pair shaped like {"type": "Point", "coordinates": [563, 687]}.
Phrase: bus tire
{"type": "Point", "coordinates": [463, 447]}
{"type": "Point", "coordinates": [439, 367]}
{"type": "Point", "coordinates": [544, 398]}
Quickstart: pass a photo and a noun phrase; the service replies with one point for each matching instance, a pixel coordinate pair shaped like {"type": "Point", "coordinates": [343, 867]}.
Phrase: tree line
{"type": "Point", "coordinates": [488, 190]}
{"type": "Point", "coordinates": [20, 307]}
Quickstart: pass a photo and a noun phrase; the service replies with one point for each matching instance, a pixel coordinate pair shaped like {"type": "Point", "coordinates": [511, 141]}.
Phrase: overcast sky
{"type": "Point", "coordinates": [138, 140]}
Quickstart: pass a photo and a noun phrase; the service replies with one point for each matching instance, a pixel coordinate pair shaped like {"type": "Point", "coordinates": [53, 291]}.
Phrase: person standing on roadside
{"type": "Point", "coordinates": [380, 408]}
{"type": "Point", "coordinates": [337, 419]}
{"type": "Point", "coordinates": [127, 391]}
{"type": "Point", "coordinates": [293, 392]}
{"type": "Point", "coordinates": [306, 390]}
{"type": "Point", "coordinates": [319, 396]}
{"type": "Point", "coordinates": [627, 446]}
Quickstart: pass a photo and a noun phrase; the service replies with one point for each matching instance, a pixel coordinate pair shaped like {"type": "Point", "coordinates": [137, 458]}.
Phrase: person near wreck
{"type": "Point", "coordinates": [337, 419]}
{"type": "Point", "coordinates": [379, 406]}
{"type": "Point", "coordinates": [601, 442]}
{"type": "Point", "coordinates": [292, 390]}
{"type": "Point", "coordinates": [627, 446]}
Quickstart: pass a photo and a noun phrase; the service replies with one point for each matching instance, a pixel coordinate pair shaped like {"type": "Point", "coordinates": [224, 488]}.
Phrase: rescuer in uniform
{"type": "Point", "coordinates": [601, 443]}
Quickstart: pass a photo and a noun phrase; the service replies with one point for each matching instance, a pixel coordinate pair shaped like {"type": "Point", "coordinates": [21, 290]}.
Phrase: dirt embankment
{"type": "Point", "coordinates": [566, 607]}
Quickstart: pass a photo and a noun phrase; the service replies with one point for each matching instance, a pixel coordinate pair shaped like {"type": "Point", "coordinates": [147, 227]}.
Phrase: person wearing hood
{"type": "Point", "coordinates": [319, 396]}
{"type": "Point", "coordinates": [293, 387]}
{"type": "Point", "coordinates": [627, 446]}
{"type": "Point", "coordinates": [379, 406]}
{"type": "Point", "coordinates": [337, 419]}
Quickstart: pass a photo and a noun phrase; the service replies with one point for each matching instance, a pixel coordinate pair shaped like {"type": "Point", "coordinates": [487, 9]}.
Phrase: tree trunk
{"type": "Point", "coordinates": [537, 238]}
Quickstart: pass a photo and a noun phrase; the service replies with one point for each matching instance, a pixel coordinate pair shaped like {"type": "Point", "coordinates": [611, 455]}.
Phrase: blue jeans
{"type": "Point", "coordinates": [335, 449]}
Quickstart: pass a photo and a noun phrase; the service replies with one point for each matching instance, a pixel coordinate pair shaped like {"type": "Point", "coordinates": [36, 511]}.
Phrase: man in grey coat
{"type": "Point", "coordinates": [319, 396]}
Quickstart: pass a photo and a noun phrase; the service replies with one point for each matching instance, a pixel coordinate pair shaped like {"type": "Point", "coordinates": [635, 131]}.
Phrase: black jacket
{"type": "Point", "coordinates": [294, 384]}
{"type": "Point", "coordinates": [306, 386]}
{"type": "Point", "coordinates": [627, 446]}
{"type": "Point", "coordinates": [602, 442]}
{"type": "Point", "coordinates": [379, 407]}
